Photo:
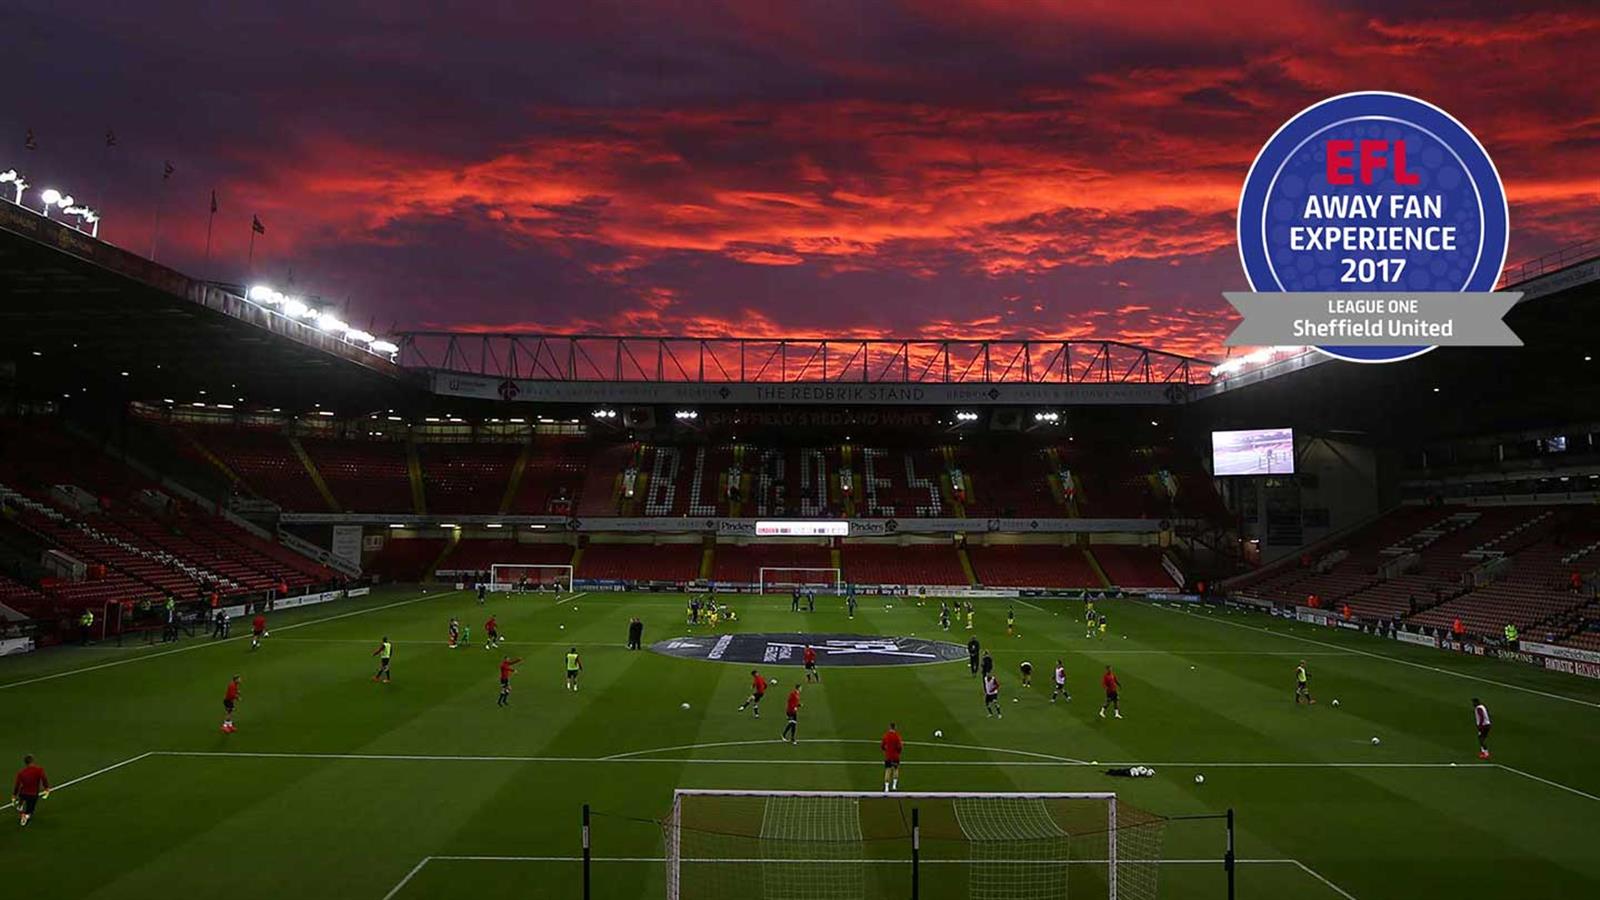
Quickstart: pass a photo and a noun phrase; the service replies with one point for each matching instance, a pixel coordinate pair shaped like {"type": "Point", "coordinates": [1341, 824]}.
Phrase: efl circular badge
{"type": "Point", "coordinates": [1385, 198]}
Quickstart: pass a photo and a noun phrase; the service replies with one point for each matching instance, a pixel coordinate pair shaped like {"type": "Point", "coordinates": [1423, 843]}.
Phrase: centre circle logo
{"type": "Point", "coordinates": [786, 649]}
{"type": "Point", "coordinates": [1373, 192]}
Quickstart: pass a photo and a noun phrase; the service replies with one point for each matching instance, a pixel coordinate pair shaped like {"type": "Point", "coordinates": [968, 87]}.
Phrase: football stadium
{"type": "Point", "coordinates": [882, 502]}
{"type": "Point", "coordinates": [294, 608]}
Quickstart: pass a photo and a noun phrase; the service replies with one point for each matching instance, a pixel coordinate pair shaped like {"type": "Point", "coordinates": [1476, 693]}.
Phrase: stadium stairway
{"type": "Point", "coordinates": [966, 566]}
{"type": "Point", "coordinates": [1094, 563]}
{"type": "Point", "coordinates": [205, 453]}
{"type": "Point", "coordinates": [316, 476]}
{"type": "Point", "coordinates": [602, 483]}
{"type": "Point", "coordinates": [419, 496]}
{"type": "Point", "coordinates": [514, 482]}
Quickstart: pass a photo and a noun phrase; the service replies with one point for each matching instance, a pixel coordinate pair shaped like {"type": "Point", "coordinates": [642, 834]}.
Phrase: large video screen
{"type": "Point", "coordinates": [1259, 451]}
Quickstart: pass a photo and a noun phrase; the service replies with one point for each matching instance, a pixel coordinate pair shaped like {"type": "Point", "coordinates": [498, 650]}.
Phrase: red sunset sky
{"type": "Point", "coordinates": [959, 168]}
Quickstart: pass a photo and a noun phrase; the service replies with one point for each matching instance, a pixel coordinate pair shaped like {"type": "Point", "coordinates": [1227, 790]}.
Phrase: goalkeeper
{"type": "Point", "coordinates": [30, 786]}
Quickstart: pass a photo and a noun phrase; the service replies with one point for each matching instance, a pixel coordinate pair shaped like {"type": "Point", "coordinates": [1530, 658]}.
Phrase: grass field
{"type": "Point", "coordinates": [335, 786]}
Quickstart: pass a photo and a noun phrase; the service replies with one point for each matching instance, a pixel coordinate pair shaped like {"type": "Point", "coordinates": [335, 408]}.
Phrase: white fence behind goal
{"type": "Point", "coordinates": [800, 845]}
{"type": "Point", "coordinates": [787, 578]}
{"type": "Point", "coordinates": [509, 577]}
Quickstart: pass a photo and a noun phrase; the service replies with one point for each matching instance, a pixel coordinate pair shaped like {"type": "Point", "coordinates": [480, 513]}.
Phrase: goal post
{"type": "Point", "coordinates": [513, 577]}
{"type": "Point", "coordinates": [799, 845]}
{"type": "Point", "coordinates": [787, 578]}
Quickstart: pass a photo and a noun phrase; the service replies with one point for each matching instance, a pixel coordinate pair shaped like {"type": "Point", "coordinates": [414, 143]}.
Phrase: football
{"type": "Point", "coordinates": [1376, 742]}
{"type": "Point", "coordinates": [684, 705]}
{"type": "Point", "coordinates": [938, 733]}
{"type": "Point", "coordinates": [1199, 779]}
{"type": "Point", "coordinates": [1335, 701]}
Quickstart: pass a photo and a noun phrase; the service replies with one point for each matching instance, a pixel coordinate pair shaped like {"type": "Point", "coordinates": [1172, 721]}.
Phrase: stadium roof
{"type": "Point", "coordinates": [75, 311]}
{"type": "Point", "coordinates": [1554, 379]}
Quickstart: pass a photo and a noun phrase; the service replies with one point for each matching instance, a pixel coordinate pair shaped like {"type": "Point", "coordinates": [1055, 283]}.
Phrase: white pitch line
{"type": "Point", "coordinates": [407, 880]}
{"type": "Point", "coordinates": [658, 860]}
{"type": "Point", "coordinates": [573, 597]}
{"type": "Point", "coordinates": [216, 643]}
{"type": "Point", "coordinates": [1554, 784]}
{"type": "Point", "coordinates": [1315, 874]}
{"type": "Point", "coordinates": [635, 754]}
{"type": "Point", "coordinates": [110, 768]}
{"type": "Point", "coordinates": [1397, 660]}
{"type": "Point", "coordinates": [1058, 762]}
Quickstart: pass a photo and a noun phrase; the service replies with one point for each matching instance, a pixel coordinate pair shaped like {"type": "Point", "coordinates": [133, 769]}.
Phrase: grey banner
{"type": "Point", "coordinates": [1378, 319]}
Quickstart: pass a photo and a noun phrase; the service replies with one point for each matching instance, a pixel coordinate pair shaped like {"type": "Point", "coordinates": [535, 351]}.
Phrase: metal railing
{"type": "Point", "coordinates": [741, 360]}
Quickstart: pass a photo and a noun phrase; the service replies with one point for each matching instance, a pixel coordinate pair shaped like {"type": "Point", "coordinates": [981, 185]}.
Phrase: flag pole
{"type": "Point", "coordinates": [161, 198]}
{"type": "Point", "coordinates": [155, 234]}
{"type": "Point", "coordinates": [205, 269]}
{"type": "Point", "coordinates": [255, 228]}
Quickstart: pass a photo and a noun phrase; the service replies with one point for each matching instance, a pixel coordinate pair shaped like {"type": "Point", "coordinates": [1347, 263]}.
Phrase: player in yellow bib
{"type": "Point", "coordinates": [384, 652]}
{"type": "Point", "coordinates": [1302, 685]}
{"type": "Point", "coordinates": [574, 666]}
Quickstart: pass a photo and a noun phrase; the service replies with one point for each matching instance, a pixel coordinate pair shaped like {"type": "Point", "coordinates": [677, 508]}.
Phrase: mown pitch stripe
{"type": "Point", "coordinates": [1398, 661]}
{"type": "Point", "coordinates": [658, 860]}
{"type": "Point", "coordinates": [217, 643]}
{"type": "Point", "coordinates": [636, 754]}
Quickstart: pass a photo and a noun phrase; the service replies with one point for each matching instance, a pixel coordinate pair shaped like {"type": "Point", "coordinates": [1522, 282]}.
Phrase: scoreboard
{"type": "Point", "coordinates": [815, 528]}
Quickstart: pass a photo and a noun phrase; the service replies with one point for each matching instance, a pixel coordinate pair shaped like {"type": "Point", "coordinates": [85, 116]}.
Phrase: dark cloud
{"type": "Point", "coordinates": [956, 168]}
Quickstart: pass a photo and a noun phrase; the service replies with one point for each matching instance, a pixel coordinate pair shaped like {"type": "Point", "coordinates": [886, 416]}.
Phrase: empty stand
{"type": "Point", "coordinates": [466, 478]}
{"type": "Point", "coordinates": [902, 564]}
{"type": "Point", "coordinates": [477, 555]}
{"type": "Point", "coordinates": [1007, 483]}
{"type": "Point", "coordinates": [639, 562]}
{"type": "Point", "coordinates": [405, 559]}
{"type": "Point", "coordinates": [263, 460]}
{"type": "Point", "coordinates": [743, 563]}
{"type": "Point", "coordinates": [1128, 566]}
{"type": "Point", "coordinates": [554, 479]}
{"type": "Point", "coordinates": [1032, 565]}
{"type": "Point", "coordinates": [364, 476]}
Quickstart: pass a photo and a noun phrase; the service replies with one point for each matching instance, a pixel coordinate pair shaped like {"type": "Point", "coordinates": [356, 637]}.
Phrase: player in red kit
{"type": "Point", "coordinates": [258, 630]}
{"type": "Point", "coordinates": [31, 786]}
{"type": "Point", "coordinates": [810, 657]}
{"type": "Point", "coordinates": [892, 747]}
{"type": "Point", "coordinates": [758, 689]}
{"type": "Point", "coordinates": [507, 669]}
{"type": "Point", "coordinates": [791, 728]}
{"type": "Point", "coordinates": [229, 701]}
{"type": "Point", "coordinates": [1109, 682]}
{"type": "Point", "coordinates": [492, 629]}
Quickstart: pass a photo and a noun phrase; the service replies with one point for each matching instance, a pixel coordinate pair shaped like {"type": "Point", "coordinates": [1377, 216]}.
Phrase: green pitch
{"type": "Point", "coordinates": [335, 786]}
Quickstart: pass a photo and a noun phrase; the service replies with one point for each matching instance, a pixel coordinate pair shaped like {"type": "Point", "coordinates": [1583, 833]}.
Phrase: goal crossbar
{"type": "Point", "coordinates": [508, 576]}
{"type": "Point", "coordinates": [762, 580]}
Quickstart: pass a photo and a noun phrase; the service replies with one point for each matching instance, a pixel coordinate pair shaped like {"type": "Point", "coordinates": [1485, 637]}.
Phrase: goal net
{"type": "Point", "coordinates": [800, 845]}
{"type": "Point", "coordinates": [787, 578]}
{"type": "Point", "coordinates": [517, 577]}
